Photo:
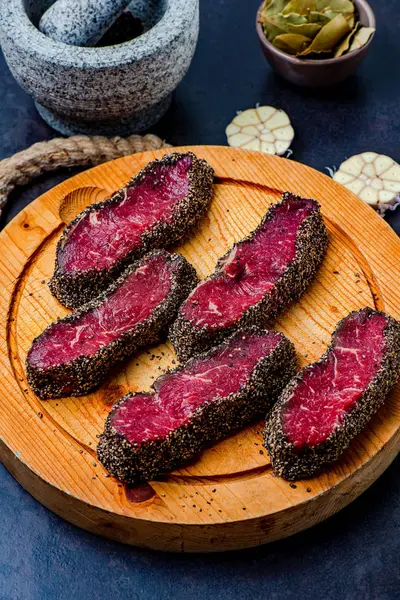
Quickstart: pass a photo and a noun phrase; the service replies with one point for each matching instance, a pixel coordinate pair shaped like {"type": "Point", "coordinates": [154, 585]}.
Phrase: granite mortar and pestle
{"type": "Point", "coordinates": [109, 89]}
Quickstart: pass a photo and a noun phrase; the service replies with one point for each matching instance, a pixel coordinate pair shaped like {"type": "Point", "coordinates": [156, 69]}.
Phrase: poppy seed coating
{"type": "Point", "coordinates": [331, 401]}
{"type": "Point", "coordinates": [257, 278]}
{"type": "Point", "coordinates": [155, 209]}
{"type": "Point", "coordinates": [221, 390]}
{"type": "Point", "coordinates": [73, 355]}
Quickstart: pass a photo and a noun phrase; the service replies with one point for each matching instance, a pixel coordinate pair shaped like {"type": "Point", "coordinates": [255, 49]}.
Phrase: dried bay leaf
{"type": "Point", "coordinates": [332, 8]}
{"type": "Point", "coordinates": [277, 24]}
{"type": "Point", "coordinates": [329, 36]}
{"type": "Point", "coordinates": [361, 37]}
{"type": "Point", "coordinates": [273, 7]}
{"type": "Point", "coordinates": [291, 43]}
{"type": "Point", "coordinates": [344, 45]}
{"type": "Point", "coordinates": [309, 30]}
{"type": "Point", "coordinates": [271, 29]}
{"type": "Point", "coordinates": [317, 17]}
{"type": "Point", "coordinates": [332, 14]}
{"type": "Point", "coordinates": [300, 7]}
{"type": "Point", "coordinates": [344, 7]}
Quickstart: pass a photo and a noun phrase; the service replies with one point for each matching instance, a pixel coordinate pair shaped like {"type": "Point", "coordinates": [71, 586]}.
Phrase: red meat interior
{"type": "Point", "coordinates": [330, 389]}
{"type": "Point", "coordinates": [103, 236]}
{"type": "Point", "coordinates": [131, 303]}
{"type": "Point", "coordinates": [147, 416]}
{"type": "Point", "coordinates": [250, 270]}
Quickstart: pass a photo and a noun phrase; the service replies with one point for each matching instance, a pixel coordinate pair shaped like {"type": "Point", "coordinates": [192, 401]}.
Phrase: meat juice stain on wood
{"type": "Point", "coordinates": [139, 493]}
{"type": "Point", "coordinates": [109, 394]}
{"type": "Point", "coordinates": [273, 509]}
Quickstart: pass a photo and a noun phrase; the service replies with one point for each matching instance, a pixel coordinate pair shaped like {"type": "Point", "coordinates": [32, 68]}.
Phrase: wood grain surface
{"type": "Point", "coordinates": [228, 498]}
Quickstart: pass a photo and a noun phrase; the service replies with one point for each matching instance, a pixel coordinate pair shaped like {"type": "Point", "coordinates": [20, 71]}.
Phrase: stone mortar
{"type": "Point", "coordinates": [114, 90]}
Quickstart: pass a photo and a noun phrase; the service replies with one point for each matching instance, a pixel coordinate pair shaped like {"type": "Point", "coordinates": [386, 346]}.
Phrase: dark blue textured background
{"type": "Point", "coordinates": [355, 554]}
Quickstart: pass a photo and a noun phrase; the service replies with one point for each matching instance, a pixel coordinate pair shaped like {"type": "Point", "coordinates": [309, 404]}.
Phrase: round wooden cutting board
{"type": "Point", "coordinates": [228, 498]}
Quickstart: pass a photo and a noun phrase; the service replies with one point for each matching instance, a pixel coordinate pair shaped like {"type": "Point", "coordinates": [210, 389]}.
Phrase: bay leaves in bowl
{"type": "Point", "coordinates": [313, 28]}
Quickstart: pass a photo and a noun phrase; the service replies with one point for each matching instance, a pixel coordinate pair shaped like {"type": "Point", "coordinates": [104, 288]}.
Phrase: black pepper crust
{"type": "Point", "coordinates": [75, 289]}
{"type": "Point", "coordinates": [210, 422]}
{"type": "Point", "coordinates": [292, 464]}
{"type": "Point", "coordinates": [188, 339]}
{"type": "Point", "coordinates": [84, 374]}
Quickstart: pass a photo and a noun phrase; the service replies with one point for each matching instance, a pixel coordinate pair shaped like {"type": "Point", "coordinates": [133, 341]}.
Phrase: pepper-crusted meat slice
{"type": "Point", "coordinates": [74, 354]}
{"type": "Point", "coordinates": [330, 402]}
{"type": "Point", "coordinates": [257, 278]}
{"type": "Point", "coordinates": [157, 208]}
{"type": "Point", "coordinates": [223, 389]}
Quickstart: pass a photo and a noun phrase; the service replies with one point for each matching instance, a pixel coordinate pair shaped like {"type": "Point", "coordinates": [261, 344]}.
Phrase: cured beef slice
{"type": "Point", "coordinates": [331, 401]}
{"type": "Point", "coordinates": [223, 389]}
{"type": "Point", "coordinates": [259, 276]}
{"type": "Point", "coordinates": [157, 208]}
{"type": "Point", "coordinates": [73, 355]}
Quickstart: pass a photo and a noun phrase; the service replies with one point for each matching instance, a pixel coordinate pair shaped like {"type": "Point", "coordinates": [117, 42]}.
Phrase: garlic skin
{"type": "Point", "coordinates": [375, 178]}
{"type": "Point", "coordinates": [265, 129]}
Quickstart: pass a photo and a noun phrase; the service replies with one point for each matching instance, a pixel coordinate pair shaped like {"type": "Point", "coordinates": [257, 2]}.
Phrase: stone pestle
{"type": "Point", "coordinates": [81, 22]}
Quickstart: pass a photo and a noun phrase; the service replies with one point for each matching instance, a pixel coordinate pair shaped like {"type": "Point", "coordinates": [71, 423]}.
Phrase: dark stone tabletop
{"type": "Point", "coordinates": [355, 554]}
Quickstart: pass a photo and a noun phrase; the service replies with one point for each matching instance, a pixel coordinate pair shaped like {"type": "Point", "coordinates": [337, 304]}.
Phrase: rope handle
{"type": "Point", "coordinates": [79, 150]}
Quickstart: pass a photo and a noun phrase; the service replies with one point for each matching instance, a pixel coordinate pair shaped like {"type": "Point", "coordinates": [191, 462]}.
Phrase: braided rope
{"type": "Point", "coordinates": [75, 151]}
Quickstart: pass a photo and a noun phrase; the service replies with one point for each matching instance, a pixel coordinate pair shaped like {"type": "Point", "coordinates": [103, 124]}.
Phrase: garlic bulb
{"type": "Point", "coordinates": [265, 128]}
{"type": "Point", "coordinates": [375, 178]}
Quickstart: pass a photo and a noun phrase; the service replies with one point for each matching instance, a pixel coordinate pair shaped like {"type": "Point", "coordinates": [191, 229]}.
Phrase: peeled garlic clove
{"type": "Point", "coordinates": [375, 178]}
{"type": "Point", "coordinates": [266, 129]}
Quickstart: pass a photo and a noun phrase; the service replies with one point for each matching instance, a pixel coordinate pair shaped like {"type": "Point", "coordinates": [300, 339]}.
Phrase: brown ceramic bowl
{"type": "Point", "coordinates": [318, 73]}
